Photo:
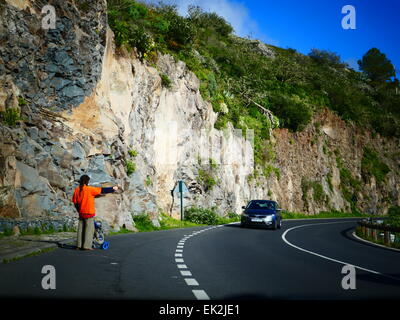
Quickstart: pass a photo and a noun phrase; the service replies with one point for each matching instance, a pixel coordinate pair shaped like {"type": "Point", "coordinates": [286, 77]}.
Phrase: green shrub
{"type": "Point", "coordinates": [319, 194]}
{"type": "Point", "coordinates": [347, 179]}
{"type": "Point", "coordinates": [293, 111]}
{"type": "Point", "coordinates": [201, 216]}
{"type": "Point", "coordinates": [206, 179]}
{"type": "Point", "coordinates": [22, 102]}
{"type": "Point", "coordinates": [7, 232]}
{"type": "Point", "coordinates": [233, 215]}
{"type": "Point", "coordinates": [130, 167]}
{"type": "Point", "coordinates": [148, 181]}
{"type": "Point", "coordinates": [166, 81]}
{"type": "Point", "coordinates": [325, 57]}
{"type": "Point", "coordinates": [10, 117]}
{"type": "Point", "coordinates": [36, 231]}
{"type": "Point", "coordinates": [206, 20]}
{"type": "Point", "coordinates": [133, 153]}
{"type": "Point", "coordinates": [371, 165]}
{"type": "Point", "coordinates": [394, 216]}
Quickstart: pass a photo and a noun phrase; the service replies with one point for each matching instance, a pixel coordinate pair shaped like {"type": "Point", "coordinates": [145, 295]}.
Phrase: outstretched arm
{"type": "Point", "coordinates": [109, 190]}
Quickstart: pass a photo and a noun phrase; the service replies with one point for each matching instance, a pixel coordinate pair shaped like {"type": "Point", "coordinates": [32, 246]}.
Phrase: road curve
{"type": "Point", "coordinates": [303, 260]}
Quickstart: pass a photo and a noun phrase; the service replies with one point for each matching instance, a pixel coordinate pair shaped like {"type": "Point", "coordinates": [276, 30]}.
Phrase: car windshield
{"type": "Point", "coordinates": [262, 205]}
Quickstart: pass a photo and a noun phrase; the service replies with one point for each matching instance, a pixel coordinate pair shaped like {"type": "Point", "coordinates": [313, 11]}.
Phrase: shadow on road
{"type": "Point", "coordinates": [247, 227]}
{"type": "Point", "coordinates": [248, 297]}
{"type": "Point", "coordinates": [232, 225]}
{"type": "Point", "coordinates": [58, 243]}
{"type": "Point", "coordinates": [67, 246]}
{"type": "Point", "coordinates": [376, 278]}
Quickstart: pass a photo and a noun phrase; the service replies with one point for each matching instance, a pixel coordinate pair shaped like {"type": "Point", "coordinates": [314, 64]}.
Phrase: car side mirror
{"type": "Point", "coordinates": [243, 207]}
{"type": "Point", "coordinates": [278, 209]}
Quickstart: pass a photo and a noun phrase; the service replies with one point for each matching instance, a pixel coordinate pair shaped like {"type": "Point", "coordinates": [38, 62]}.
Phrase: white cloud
{"type": "Point", "coordinates": [235, 13]}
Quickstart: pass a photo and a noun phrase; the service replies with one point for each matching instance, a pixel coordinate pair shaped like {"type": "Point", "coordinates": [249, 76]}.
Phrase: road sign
{"type": "Point", "coordinates": [180, 187]}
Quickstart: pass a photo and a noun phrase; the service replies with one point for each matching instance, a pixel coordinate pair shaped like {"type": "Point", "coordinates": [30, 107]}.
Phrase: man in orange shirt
{"type": "Point", "coordinates": [83, 199]}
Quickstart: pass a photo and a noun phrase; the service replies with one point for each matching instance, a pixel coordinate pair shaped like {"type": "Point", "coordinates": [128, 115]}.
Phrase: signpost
{"type": "Point", "coordinates": [180, 188]}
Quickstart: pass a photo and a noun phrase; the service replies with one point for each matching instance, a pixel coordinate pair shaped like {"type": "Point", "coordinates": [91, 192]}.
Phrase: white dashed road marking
{"type": "Point", "coordinates": [191, 282]}
{"type": "Point", "coordinates": [200, 295]}
{"type": "Point", "coordinates": [178, 255]}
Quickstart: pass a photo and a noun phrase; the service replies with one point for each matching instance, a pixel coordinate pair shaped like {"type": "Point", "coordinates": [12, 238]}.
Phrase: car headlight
{"type": "Point", "coordinates": [269, 218]}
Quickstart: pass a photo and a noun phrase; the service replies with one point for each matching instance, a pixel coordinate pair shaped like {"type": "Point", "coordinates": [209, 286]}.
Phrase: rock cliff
{"type": "Point", "coordinates": [88, 107]}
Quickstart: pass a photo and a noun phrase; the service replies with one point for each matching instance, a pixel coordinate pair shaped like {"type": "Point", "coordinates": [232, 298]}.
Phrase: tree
{"type": "Point", "coordinates": [209, 20]}
{"type": "Point", "coordinates": [376, 66]}
{"type": "Point", "coordinates": [325, 57]}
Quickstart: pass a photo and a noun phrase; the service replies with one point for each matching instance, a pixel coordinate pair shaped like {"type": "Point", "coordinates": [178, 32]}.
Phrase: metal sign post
{"type": "Point", "coordinates": [181, 196]}
{"type": "Point", "coordinates": [181, 189]}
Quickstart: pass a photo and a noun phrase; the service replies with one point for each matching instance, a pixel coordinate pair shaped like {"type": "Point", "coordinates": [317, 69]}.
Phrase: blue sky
{"type": "Point", "coordinates": [307, 24]}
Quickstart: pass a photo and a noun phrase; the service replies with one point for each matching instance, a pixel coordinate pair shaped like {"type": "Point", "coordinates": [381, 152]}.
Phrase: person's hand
{"type": "Point", "coordinates": [115, 188]}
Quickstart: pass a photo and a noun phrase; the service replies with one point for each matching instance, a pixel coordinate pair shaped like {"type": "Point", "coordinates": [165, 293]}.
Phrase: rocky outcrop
{"type": "Point", "coordinates": [53, 68]}
{"type": "Point", "coordinates": [325, 162]}
{"type": "Point", "coordinates": [89, 108]}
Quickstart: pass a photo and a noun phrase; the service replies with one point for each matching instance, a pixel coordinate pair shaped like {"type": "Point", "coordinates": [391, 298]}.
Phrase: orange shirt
{"type": "Point", "coordinates": [85, 200]}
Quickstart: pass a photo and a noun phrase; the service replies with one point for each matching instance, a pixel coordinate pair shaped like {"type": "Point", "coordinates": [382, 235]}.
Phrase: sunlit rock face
{"type": "Point", "coordinates": [90, 108]}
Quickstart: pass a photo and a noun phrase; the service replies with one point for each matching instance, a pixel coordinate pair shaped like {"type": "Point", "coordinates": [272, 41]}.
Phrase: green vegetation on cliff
{"type": "Point", "coordinates": [235, 72]}
{"type": "Point", "coordinates": [257, 86]}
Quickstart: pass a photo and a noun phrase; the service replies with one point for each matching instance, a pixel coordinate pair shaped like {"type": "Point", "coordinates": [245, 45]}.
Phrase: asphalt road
{"type": "Point", "coordinates": [303, 260]}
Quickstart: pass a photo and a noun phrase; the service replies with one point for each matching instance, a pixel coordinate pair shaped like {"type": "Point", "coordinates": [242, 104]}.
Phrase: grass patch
{"type": "Point", "coordinates": [32, 254]}
{"type": "Point", "coordinates": [194, 217]}
{"type": "Point", "coordinates": [332, 214]}
{"type": "Point", "coordinates": [167, 222]}
{"type": "Point", "coordinates": [144, 224]}
{"type": "Point", "coordinates": [380, 240]}
{"type": "Point", "coordinates": [37, 231]}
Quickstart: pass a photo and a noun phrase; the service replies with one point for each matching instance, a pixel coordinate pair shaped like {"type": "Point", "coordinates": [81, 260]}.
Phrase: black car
{"type": "Point", "coordinates": [262, 213]}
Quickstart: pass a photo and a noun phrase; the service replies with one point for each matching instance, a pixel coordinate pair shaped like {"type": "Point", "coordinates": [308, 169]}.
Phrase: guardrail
{"type": "Point", "coordinates": [375, 228]}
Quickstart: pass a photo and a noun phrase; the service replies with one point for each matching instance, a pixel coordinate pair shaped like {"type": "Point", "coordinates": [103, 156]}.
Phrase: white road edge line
{"type": "Point", "coordinates": [328, 258]}
{"type": "Point", "coordinates": [373, 243]}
